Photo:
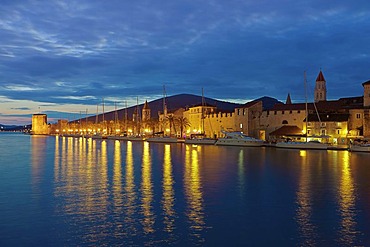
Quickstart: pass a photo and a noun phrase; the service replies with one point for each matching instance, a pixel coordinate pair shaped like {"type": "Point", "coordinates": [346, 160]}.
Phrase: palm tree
{"type": "Point", "coordinates": [171, 120]}
{"type": "Point", "coordinates": [182, 122]}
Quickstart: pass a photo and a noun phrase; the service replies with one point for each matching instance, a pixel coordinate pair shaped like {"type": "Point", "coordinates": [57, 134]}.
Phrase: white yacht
{"type": "Point", "coordinates": [360, 148]}
{"type": "Point", "coordinates": [302, 145]}
{"type": "Point", "coordinates": [237, 138]}
{"type": "Point", "coordinates": [200, 139]}
{"type": "Point", "coordinates": [163, 139]}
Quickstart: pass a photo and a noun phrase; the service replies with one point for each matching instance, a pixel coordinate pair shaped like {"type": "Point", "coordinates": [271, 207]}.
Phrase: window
{"type": "Point", "coordinates": [285, 122]}
{"type": "Point", "coordinates": [290, 112]}
{"type": "Point", "coordinates": [323, 132]}
{"type": "Point", "coordinates": [309, 124]}
{"type": "Point", "coordinates": [275, 112]}
{"type": "Point", "coordinates": [241, 125]}
{"type": "Point", "coordinates": [282, 112]}
{"type": "Point", "coordinates": [308, 132]}
{"type": "Point", "coordinates": [323, 124]}
{"type": "Point", "coordinates": [338, 132]}
{"type": "Point", "coordinates": [358, 115]}
{"type": "Point", "coordinates": [298, 111]}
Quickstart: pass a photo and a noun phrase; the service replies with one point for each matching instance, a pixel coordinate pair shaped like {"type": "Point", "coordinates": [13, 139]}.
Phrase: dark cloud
{"type": "Point", "coordinates": [81, 51]}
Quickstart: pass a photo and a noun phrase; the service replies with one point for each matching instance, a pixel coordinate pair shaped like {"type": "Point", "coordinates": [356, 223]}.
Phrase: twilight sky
{"type": "Point", "coordinates": [62, 57]}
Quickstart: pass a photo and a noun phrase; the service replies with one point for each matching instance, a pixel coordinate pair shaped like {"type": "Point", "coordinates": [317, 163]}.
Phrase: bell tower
{"type": "Point", "coordinates": [145, 112]}
{"type": "Point", "coordinates": [320, 88]}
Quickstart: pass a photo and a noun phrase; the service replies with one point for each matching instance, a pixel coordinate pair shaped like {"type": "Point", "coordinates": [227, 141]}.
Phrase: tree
{"type": "Point", "coordinates": [182, 123]}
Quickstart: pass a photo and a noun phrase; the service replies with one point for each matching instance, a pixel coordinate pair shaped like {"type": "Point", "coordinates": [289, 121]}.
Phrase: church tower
{"type": "Point", "coordinates": [320, 88]}
{"type": "Point", "coordinates": [288, 100]}
{"type": "Point", "coordinates": [145, 112]}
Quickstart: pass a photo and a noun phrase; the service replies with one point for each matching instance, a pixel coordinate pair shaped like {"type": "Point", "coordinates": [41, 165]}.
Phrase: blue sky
{"type": "Point", "coordinates": [65, 56]}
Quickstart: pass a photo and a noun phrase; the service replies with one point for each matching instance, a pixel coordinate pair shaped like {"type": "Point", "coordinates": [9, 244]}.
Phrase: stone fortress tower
{"type": "Point", "coordinates": [320, 88]}
{"type": "Point", "coordinates": [40, 124]}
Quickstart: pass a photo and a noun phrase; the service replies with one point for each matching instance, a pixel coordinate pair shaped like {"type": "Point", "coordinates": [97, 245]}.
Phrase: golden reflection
{"type": "Point", "coordinates": [56, 159]}
{"type": "Point", "coordinates": [147, 191]}
{"type": "Point", "coordinates": [193, 193]}
{"type": "Point", "coordinates": [81, 183]}
{"type": "Point", "coordinates": [241, 171]}
{"type": "Point", "coordinates": [347, 203]}
{"type": "Point", "coordinates": [168, 192]}
{"type": "Point", "coordinates": [38, 148]}
{"type": "Point", "coordinates": [302, 153]}
{"type": "Point", "coordinates": [304, 211]}
{"type": "Point", "coordinates": [117, 186]}
{"type": "Point", "coordinates": [129, 204]}
{"type": "Point", "coordinates": [117, 174]}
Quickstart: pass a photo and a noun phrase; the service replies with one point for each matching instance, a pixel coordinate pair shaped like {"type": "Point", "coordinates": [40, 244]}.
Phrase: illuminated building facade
{"type": "Point", "coordinates": [333, 121]}
{"type": "Point", "coordinates": [39, 124]}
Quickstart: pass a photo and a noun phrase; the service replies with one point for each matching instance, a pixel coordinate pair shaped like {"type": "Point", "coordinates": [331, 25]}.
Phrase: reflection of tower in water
{"type": "Point", "coordinates": [304, 202]}
{"type": "Point", "coordinates": [130, 195]}
{"type": "Point", "coordinates": [117, 186]}
{"type": "Point", "coordinates": [168, 192]}
{"type": "Point", "coordinates": [194, 195]}
{"type": "Point", "coordinates": [347, 195]}
{"type": "Point", "coordinates": [147, 191]}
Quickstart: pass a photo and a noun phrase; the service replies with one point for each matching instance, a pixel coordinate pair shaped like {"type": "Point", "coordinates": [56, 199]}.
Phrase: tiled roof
{"type": "Point", "coordinates": [320, 77]}
{"type": "Point", "coordinates": [340, 105]}
{"type": "Point", "coordinates": [330, 117]}
{"type": "Point", "coordinates": [249, 104]}
{"type": "Point", "coordinates": [366, 83]}
{"type": "Point", "coordinates": [287, 130]}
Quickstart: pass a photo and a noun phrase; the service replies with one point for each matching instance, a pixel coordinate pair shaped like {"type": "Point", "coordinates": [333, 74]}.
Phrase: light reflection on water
{"type": "Point", "coordinates": [347, 199]}
{"type": "Point", "coordinates": [307, 229]}
{"type": "Point", "coordinates": [85, 192]}
{"type": "Point", "coordinates": [194, 195]}
{"type": "Point", "coordinates": [168, 200]}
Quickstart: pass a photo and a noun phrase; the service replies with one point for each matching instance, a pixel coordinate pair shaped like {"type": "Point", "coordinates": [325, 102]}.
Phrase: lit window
{"type": "Point", "coordinates": [241, 125]}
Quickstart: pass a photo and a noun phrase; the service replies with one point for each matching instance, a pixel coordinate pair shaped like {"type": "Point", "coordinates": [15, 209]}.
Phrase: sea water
{"type": "Point", "coordinates": [64, 191]}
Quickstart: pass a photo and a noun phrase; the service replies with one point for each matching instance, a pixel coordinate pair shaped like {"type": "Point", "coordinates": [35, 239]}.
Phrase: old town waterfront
{"type": "Point", "coordinates": [81, 192]}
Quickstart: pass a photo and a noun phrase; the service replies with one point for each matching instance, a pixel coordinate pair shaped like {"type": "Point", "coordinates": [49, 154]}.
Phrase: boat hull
{"type": "Point", "coordinates": [302, 145]}
{"type": "Point", "coordinates": [162, 139]}
{"type": "Point", "coordinates": [200, 141]}
{"type": "Point", "coordinates": [360, 148]}
{"type": "Point", "coordinates": [233, 142]}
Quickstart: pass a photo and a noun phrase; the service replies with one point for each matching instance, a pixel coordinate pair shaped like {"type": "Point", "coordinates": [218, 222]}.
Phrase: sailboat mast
{"type": "Point", "coordinates": [202, 112]}
{"type": "Point", "coordinates": [137, 116]}
{"type": "Point", "coordinates": [164, 102]}
{"type": "Point", "coordinates": [305, 92]}
{"type": "Point", "coordinates": [126, 115]}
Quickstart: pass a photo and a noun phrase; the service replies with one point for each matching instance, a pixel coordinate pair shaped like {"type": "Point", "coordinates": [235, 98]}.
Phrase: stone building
{"type": "Point", "coordinates": [39, 124]}
{"type": "Point", "coordinates": [333, 121]}
{"type": "Point", "coordinates": [208, 120]}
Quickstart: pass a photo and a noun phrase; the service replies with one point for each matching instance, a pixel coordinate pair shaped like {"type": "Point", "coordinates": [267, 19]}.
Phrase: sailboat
{"type": "Point", "coordinates": [100, 135]}
{"type": "Point", "coordinates": [162, 137]}
{"type": "Point", "coordinates": [201, 138]}
{"type": "Point", "coordinates": [306, 144]}
{"type": "Point", "coordinates": [136, 136]}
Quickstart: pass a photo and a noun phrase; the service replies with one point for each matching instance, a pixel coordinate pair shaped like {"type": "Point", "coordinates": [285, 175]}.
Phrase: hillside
{"type": "Point", "coordinates": [180, 101]}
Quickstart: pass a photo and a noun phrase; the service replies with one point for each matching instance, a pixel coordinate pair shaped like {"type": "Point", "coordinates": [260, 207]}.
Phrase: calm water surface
{"type": "Point", "coordinates": [77, 192]}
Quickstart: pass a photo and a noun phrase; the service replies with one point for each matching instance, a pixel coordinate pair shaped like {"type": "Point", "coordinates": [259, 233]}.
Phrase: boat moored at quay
{"type": "Point", "coordinates": [237, 138]}
{"type": "Point", "coordinates": [302, 145]}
